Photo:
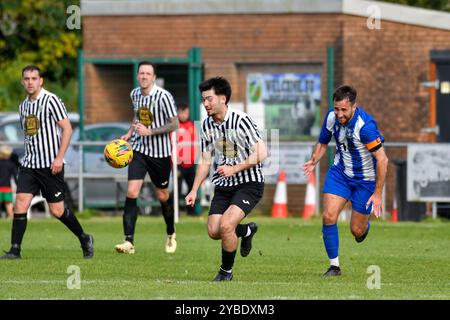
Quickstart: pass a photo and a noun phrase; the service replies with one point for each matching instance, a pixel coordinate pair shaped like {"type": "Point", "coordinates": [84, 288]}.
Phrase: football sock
{"type": "Point", "coordinates": [227, 260]}
{"type": "Point", "coordinates": [168, 214]}
{"type": "Point", "coordinates": [242, 230]}
{"type": "Point", "coordinates": [71, 222]}
{"type": "Point", "coordinates": [334, 262]}
{"type": "Point", "coordinates": [18, 230]}
{"type": "Point", "coordinates": [331, 241]}
{"type": "Point", "coordinates": [129, 218]}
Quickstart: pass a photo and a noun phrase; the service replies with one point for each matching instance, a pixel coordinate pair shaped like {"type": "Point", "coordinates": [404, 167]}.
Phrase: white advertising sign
{"type": "Point", "coordinates": [428, 172]}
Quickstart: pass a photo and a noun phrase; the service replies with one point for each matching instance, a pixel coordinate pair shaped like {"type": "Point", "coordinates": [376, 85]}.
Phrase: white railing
{"type": "Point", "coordinates": [82, 175]}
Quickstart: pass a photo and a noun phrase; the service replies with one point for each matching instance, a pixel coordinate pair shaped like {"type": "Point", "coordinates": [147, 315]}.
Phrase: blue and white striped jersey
{"type": "Point", "coordinates": [354, 144]}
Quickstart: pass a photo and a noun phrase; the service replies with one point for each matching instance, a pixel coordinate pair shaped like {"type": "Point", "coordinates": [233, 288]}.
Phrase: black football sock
{"type": "Point", "coordinates": [71, 222]}
{"type": "Point", "coordinates": [18, 230]}
{"type": "Point", "coordinates": [241, 230]}
{"type": "Point", "coordinates": [168, 214]}
{"type": "Point", "coordinates": [227, 260]}
{"type": "Point", "coordinates": [129, 218]}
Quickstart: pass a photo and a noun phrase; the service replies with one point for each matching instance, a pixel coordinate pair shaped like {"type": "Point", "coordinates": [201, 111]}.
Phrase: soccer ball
{"type": "Point", "coordinates": [118, 153]}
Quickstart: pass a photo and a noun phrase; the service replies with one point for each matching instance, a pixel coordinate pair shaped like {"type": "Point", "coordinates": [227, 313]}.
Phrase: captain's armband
{"type": "Point", "coordinates": [374, 145]}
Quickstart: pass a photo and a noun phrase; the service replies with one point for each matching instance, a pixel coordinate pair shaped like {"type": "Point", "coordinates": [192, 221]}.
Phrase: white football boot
{"type": "Point", "coordinates": [171, 243]}
{"type": "Point", "coordinates": [126, 247]}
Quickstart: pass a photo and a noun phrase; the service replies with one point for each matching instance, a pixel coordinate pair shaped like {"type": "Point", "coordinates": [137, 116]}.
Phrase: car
{"type": "Point", "coordinates": [5, 114]}
{"type": "Point", "coordinates": [11, 131]}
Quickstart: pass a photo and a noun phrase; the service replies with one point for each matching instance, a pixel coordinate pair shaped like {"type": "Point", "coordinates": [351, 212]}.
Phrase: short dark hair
{"type": "Point", "coordinates": [182, 106]}
{"type": "Point", "coordinates": [220, 85]}
{"type": "Point", "coordinates": [147, 63]}
{"type": "Point", "coordinates": [345, 92]}
{"type": "Point", "coordinates": [32, 67]}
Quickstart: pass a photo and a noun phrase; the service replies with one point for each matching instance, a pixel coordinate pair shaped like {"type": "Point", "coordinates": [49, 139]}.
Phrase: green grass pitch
{"type": "Point", "coordinates": [287, 262]}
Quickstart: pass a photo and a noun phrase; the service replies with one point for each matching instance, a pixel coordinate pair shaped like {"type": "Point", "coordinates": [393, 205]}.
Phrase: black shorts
{"type": "Point", "coordinates": [51, 186]}
{"type": "Point", "coordinates": [157, 168]}
{"type": "Point", "coordinates": [245, 196]}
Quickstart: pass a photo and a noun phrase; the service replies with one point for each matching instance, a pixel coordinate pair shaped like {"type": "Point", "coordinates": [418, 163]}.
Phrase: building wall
{"type": "Point", "coordinates": [386, 66]}
{"type": "Point", "coordinates": [226, 41]}
{"type": "Point", "coordinates": [107, 93]}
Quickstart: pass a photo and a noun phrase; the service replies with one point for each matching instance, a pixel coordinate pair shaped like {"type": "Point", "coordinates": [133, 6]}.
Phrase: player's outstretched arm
{"type": "Point", "coordinates": [318, 152]}
{"type": "Point", "coordinates": [201, 173]}
{"type": "Point", "coordinates": [381, 170]}
{"type": "Point", "coordinates": [66, 129]}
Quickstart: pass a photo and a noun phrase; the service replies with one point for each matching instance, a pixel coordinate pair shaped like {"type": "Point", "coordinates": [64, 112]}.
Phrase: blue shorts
{"type": "Point", "coordinates": [357, 191]}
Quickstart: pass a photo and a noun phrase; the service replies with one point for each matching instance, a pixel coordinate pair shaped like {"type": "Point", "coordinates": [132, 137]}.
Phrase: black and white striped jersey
{"type": "Point", "coordinates": [153, 110]}
{"type": "Point", "coordinates": [42, 134]}
{"type": "Point", "coordinates": [230, 143]}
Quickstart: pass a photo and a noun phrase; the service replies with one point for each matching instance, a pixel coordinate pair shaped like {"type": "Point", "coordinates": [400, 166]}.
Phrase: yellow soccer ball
{"type": "Point", "coordinates": [118, 153]}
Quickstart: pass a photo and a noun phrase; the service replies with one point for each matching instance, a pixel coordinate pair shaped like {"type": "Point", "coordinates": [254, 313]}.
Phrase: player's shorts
{"type": "Point", "coordinates": [357, 191]}
{"type": "Point", "coordinates": [157, 168]}
{"type": "Point", "coordinates": [6, 197]}
{"type": "Point", "coordinates": [245, 196]}
{"type": "Point", "coordinates": [52, 187]}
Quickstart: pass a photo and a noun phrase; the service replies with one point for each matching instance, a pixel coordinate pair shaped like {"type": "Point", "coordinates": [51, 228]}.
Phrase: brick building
{"type": "Point", "coordinates": [387, 60]}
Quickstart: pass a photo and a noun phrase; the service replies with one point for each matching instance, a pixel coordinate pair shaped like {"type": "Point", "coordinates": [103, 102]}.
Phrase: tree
{"type": "Point", "coordinates": [36, 32]}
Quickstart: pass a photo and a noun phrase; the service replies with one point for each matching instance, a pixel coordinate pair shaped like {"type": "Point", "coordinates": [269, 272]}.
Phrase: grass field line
{"type": "Point", "coordinates": [161, 281]}
{"type": "Point", "coordinates": [166, 281]}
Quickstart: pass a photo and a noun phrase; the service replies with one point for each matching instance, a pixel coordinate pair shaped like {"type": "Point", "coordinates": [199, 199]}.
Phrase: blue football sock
{"type": "Point", "coordinates": [331, 240]}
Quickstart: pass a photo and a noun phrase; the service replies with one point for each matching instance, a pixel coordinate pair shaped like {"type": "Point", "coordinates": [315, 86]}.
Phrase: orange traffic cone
{"type": "Point", "coordinates": [310, 197]}
{"type": "Point", "coordinates": [394, 213]}
{"type": "Point", "coordinates": [279, 208]}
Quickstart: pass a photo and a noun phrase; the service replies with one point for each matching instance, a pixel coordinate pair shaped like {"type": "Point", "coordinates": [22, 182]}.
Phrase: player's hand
{"type": "Point", "coordinates": [190, 198]}
{"type": "Point", "coordinates": [57, 165]}
{"type": "Point", "coordinates": [141, 129]}
{"type": "Point", "coordinates": [308, 167]}
{"type": "Point", "coordinates": [126, 136]}
{"type": "Point", "coordinates": [226, 171]}
{"type": "Point", "coordinates": [377, 204]}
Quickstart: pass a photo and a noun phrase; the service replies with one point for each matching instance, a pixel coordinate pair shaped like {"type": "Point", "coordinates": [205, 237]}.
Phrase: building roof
{"type": "Point", "coordinates": [387, 11]}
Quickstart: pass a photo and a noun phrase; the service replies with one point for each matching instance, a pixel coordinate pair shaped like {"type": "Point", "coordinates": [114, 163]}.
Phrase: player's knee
{"type": "Point", "coordinates": [57, 209]}
{"type": "Point", "coordinates": [57, 214]}
{"type": "Point", "coordinates": [328, 218]}
{"type": "Point", "coordinates": [20, 208]}
{"type": "Point", "coordinates": [133, 194]}
{"type": "Point", "coordinates": [357, 230]}
{"type": "Point", "coordinates": [22, 203]}
{"type": "Point", "coordinates": [226, 228]}
{"type": "Point", "coordinates": [162, 194]}
{"type": "Point", "coordinates": [213, 233]}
